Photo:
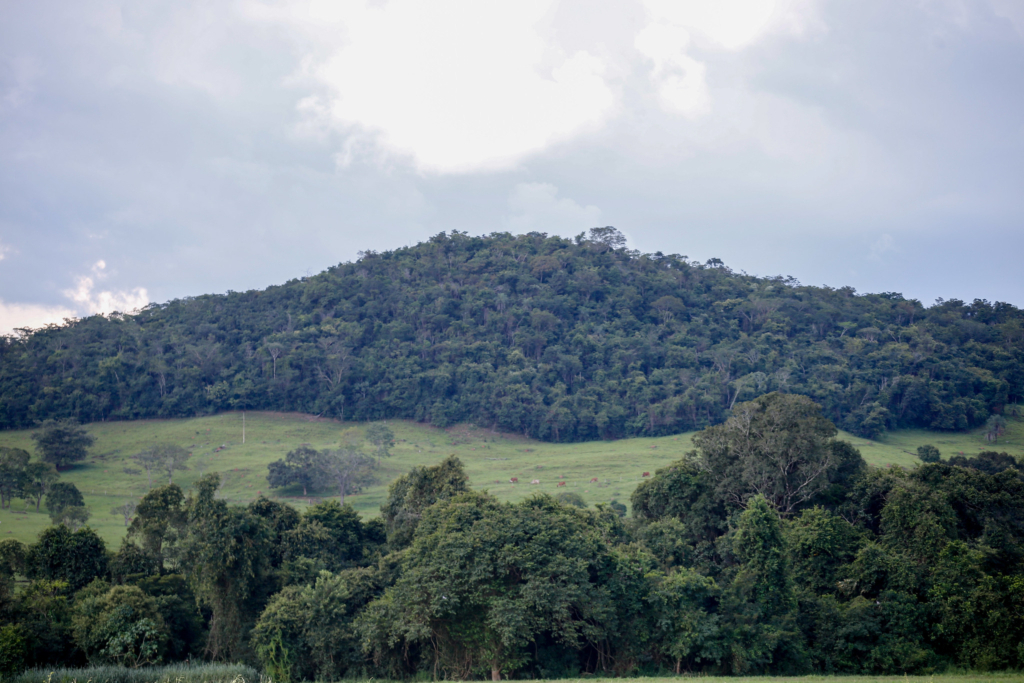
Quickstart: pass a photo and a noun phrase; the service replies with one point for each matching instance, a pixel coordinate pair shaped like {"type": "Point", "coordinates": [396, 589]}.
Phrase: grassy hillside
{"type": "Point", "coordinates": [491, 458]}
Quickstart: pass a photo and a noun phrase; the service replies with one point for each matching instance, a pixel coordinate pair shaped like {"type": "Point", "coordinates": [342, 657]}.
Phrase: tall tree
{"type": "Point", "coordinates": [227, 555]}
{"type": "Point", "coordinates": [777, 446]}
{"type": "Point", "coordinates": [125, 510]}
{"type": "Point", "coordinates": [412, 493]}
{"type": "Point", "coordinates": [13, 474]}
{"type": "Point", "coordinates": [382, 438]}
{"type": "Point", "coordinates": [39, 477]}
{"type": "Point", "coordinates": [348, 469]}
{"type": "Point", "coordinates": [300, 466]}
{"type": "Point", "coordinates": [63, 495]}
{"type": "Point", "coordinates": [62, 442]}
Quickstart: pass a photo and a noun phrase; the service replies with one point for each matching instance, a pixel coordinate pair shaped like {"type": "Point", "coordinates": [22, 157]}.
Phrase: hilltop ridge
{"type": "Point", "coordinates": [558, 339]}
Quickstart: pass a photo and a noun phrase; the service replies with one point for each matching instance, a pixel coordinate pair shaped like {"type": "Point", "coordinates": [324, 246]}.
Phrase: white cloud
{"type": "Point", "coordinates": [537, 207]}
{"type": "Point", "coordinates": [457, 85]}
{"type": "Point", "coordinates": [730, 23]}
{"type": "Point", "coordinates": [92, 302]}
{"type": "Point", "coordinates": [14, 316]}
{"type": "Point", "coordinates": [679, 79]}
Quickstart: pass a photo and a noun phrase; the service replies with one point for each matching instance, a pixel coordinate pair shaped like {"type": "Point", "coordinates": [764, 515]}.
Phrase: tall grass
{"type": "Point", "coordinates": [173, 673]}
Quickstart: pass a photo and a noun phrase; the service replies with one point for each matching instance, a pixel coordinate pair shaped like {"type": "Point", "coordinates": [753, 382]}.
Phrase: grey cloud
{"type": "Point", "coordinates": [164, 141]}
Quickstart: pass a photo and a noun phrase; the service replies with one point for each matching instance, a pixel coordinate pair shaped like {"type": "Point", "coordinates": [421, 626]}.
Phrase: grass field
{"type": "Point", "coordinates": [491, 458]}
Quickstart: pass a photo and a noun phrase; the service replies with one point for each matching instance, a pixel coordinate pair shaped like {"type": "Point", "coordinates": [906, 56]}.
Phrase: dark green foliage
{"type": "Point", "coordinates": [62, 442]}
{"type": "Point", "coordinates": [63, 495]}
{"type": "Point", "coordinates": [330, 535]}
{"type": "Point", "coordinates": [44, 613]}
{"type": "Point", "coordinates": [483, 579]}
{"type": "Point", "coordinates": [300, 467]}
{"type": "Point", "coordinates": [310, 633]}
{"type": "Point", "coordinates": [13, 475]}
{"type": "Point", "coordinates": [411, 494]}
{"type": "Point", "coordinates": [777, 446]}
{"type": "Point", "coordinates": [554, 338]}
{"type": "Point", "coordinates": [569, 498]}
{"type": "Point", "coordinates": [39, 476]}
{"type": "Point", "coordinates": [160, 512]}
{"type": "Point", "coordinates": [12, 557]}
{"type": "Point", "coordinates": [928, 453]}
{"type": "Point", "coordinates": [176, 605]}
{"type": "Point", "coordinates": [13, 651]}
{"type": "Point", "coordinates": [877, 572]}
{"type": "Point", "coordinates": [118, 625]}
{"type": "Point", "coordinates": [989, 462]}
{"type": "Point", "coordinates": [227, 557]}
{"type": "Point", "coordinates": [60, 554]}
{"type": "Point", "coordinates": [131, 562]}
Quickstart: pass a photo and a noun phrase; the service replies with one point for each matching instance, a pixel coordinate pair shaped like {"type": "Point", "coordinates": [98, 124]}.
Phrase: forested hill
{"type": "Point", "coordinates": [555, 338]}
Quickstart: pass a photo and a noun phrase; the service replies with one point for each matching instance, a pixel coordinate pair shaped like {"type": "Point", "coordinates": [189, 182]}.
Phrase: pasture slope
{"type": "Point", "coordinates": [491, 459]}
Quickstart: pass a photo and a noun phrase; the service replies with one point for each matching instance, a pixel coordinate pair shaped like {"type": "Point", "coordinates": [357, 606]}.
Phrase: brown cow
{"type": "Point", "coordinates": [594, 480]}
{"type": "Point", "coordinates": [514, 480]}
{"type": "Point", "coordinates": [647, 474]}
{"type": "Point", "coordinates": [561, 483]}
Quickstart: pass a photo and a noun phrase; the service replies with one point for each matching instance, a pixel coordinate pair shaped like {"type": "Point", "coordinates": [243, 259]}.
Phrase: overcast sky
{"type": "Point", "coordinates": [155, 150]}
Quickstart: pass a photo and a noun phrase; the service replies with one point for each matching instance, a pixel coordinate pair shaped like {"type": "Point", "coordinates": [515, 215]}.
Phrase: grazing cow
{"type": "Point", "coordinates": [561, 483]}
{"type": "Point", "coordinates": [647, 474]}
{"type": "Point", "coordinates": [594, 480]}
{"type": "Point", "coordinates": [514, 480]}
{"type": "Point", "coordinates": [535, 481]}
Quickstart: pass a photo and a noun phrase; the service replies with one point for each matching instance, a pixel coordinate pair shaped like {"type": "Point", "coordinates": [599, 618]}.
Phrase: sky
{"type": "Point", "coordinates": [153, 150]}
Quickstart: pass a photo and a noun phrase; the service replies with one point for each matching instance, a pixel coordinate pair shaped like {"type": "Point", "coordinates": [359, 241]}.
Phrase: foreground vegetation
{"type": "Point", "coordinates": [174, 673]}
{"type": "Point", "coordinates": [772, 549]}
{"type": "Point", "coordinates": [556, 339]}
{"type": "Point", "coordinates": [488, 457]}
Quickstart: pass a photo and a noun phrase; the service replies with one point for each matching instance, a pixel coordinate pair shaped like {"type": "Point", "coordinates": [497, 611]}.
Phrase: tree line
{"type": "Point", "coordinates": [770, 549]}
{"type": "Point", "coordinates": [559, 339]}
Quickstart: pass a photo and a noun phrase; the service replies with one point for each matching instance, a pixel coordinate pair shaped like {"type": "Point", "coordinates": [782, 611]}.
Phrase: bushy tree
{"type": "Point", "coordinates": [777, 446]}
{"type": "Point", "coordinates": [412, 493]}
{"type": "Point", "coordinates": [482, 579]}
{"type": "Point", "coordinates": [63, 495]}
{"type": "Point", "coordinates": [62, 442]}
{"type": "Point", "coordinates": [928, 453]}
{"type": "Point", "coordinates": [13, 475]}
{"type": "Point", "coordinates": [60, 554]}
{"type": "Point", "coordinates": [118, 625]}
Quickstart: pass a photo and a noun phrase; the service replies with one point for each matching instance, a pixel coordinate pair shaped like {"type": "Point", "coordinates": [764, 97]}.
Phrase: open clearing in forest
{"type": "Point", "coordinates": [491, 459]}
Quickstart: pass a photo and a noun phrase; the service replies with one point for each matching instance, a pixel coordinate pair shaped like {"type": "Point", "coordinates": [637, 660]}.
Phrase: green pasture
{"type": "Point", "coordinates": [491, 459]}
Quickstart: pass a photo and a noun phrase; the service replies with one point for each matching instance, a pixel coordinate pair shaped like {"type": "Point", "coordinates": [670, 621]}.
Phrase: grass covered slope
{"type": "Point", "coordinates": [557, 339]}
{"type": "Point", "coordinates": [491, 459]}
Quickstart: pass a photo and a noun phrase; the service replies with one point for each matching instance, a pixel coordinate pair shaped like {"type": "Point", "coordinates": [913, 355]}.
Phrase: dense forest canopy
{"type": "Point", "coordinates": [770, 549]}
{"type": "Point", "coordinates": [559, 339]}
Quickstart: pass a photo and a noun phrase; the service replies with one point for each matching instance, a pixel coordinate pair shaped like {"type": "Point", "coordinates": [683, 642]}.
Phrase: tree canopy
{"type": "Point", "coordinates": [559, 339]}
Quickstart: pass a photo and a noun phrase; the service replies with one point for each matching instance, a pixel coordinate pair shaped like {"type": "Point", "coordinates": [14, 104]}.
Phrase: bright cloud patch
{"type": "Point", "coordinates": [678, 77]}
{"type": "Point", "coordinates": [537, 207]}
{"type": "Point", "coordinates": [16, 316]}
{"type": "Point", "coordinates": [730, 23]}
{"type": "Point", "coordinates": [91, 301]}
{"type": "Point", "coordinates": [458, 85]}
